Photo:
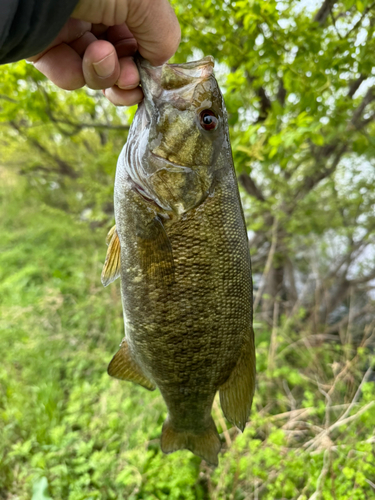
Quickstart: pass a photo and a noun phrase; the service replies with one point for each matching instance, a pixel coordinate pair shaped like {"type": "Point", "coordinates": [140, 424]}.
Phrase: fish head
{"type": "Point", "coordinates": [179, 131]}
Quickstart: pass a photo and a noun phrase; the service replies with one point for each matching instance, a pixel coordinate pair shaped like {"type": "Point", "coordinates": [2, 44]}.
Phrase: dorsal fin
{"type": "Point", "coordinates": [236, 394]}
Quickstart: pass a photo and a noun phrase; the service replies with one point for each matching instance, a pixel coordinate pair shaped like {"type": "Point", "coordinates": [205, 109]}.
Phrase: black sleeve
{"type": "Point", "coordinates": [29, 26]}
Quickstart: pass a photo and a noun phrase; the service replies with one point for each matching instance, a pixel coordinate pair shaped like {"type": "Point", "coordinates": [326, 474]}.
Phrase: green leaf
{"type": "Point", "coordinates": [40, 489]}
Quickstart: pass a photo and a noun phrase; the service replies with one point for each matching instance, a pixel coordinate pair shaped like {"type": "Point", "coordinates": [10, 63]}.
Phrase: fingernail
{"type": "Point", "coordinates": [106, 66]}
{"type": "Point", "coordinates": [127, 87]}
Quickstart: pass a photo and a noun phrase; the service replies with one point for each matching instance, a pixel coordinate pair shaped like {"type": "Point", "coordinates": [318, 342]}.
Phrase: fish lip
{"type": "Point", "coordinates": [141, 62]}
{"type": "Point", "coordinates": [152, 77]}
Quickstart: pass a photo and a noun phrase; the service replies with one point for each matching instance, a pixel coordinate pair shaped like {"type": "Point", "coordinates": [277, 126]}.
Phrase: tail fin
{"type": "Point", "coordinates": [206, 444]}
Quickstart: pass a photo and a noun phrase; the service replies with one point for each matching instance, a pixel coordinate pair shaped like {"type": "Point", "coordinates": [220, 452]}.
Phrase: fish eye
{"type": "Point", "coordinates": [208, 120]}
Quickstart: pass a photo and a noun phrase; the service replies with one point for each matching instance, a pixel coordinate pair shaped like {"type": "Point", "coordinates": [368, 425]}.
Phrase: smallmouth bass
{"type": "Point", "coordinates": [180, 246]}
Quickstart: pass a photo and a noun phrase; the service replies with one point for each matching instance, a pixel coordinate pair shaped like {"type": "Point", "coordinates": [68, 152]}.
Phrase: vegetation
{"type": "Point", "coordinates": [297, 79]}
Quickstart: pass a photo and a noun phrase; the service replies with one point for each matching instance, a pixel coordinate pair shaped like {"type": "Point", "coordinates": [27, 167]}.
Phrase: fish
{"type": "Point", "coordinates": [180, 247]}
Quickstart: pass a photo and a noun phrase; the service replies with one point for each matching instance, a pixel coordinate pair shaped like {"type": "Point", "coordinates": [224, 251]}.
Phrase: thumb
{"type": "Point", "coordinates": [156, 29]}
{"type": "Point", "coordinates": [153, 23]}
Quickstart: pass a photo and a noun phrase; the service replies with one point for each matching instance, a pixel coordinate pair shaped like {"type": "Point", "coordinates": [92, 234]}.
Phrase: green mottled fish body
{"type": "Point", "coordinates": [183, 258]}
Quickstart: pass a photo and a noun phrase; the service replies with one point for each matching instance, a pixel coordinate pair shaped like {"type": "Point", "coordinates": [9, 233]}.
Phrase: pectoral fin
{"type": "Point", "coordinates": [111, 268]}
{"type": "Point", "coordinates": [124, 367]}
{"type": "Point", "coordinates": [156, 254]}
{"type": "Point", "coordinates": [236, 394]}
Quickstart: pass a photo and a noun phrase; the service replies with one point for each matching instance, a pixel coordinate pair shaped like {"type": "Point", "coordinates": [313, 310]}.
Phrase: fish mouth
{"type": "Point", "coordinates": [156, 79]}
{"type": "Point", "coordinates": [192, 68]}
{"type": "Point", "coordinates": [175, 166]}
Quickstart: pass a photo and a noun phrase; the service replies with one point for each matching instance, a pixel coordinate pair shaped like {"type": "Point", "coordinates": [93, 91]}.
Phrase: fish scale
{"type": "Point", "coordinates": [181, 249]}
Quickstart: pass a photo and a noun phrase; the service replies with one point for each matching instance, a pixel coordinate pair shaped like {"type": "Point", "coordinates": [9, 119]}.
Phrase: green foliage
{"type": "Point", "coordinates": [68, 431]}
{"type": "Point", "coordinates": [74, 137]}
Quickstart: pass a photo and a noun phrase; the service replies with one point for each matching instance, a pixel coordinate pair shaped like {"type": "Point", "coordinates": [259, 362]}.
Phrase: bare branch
{"type": "Point", "coordinates": [343, 322]}
{"type": "Point", "coordinates": [7, 98]}
{"type": "Point", "coordinates": [281, 92]}
{"type": "Point", "coordinates": [357, 394]}
{"type": "Point", "coordinates": [273, 340]}
{"type": "Point", "coordinates": [344, 419]}
{"type": "Point", "coordinates": [347, 258]}
{"type": "Point", "coordinates": [90, 125]}
{"type": "Point", "coordinates": [359, 22]}
{"type": "Point", "coordinates": [323, 473]}
{"type": "Point", "coordinates": [77, 125]}
{"type": "Point", "coordinates": [311, 181]}
{"type": "Point", "coordinates": [250, 187]}
{"type": "Point", "coordinates": [223, 425]}
{"type": "Point", "coordinates": [324, 11]}
{"type": "Point", "coordinates": [267, 268]}
{"type": "Point", "coordinates": [369, 97]}
{"type": "Point", "coordinates": [313, 443]}
{"type": "Point", "coordinates": [363, 279]}
{"type": "Point", "coordinates": [354, 86]}
{"type": "Point", "coordinates": [64, 168]}
{"type": "Point", "coordinates": [265, 104]}
{"type": "Point", "coordinates": [334, 24]}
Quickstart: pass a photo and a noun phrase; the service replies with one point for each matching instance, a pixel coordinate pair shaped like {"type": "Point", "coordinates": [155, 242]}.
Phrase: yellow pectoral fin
{"type": "Point", "coordinates": [110, 234]}
{"type": "Point", "coordinates": [236, 394]}
{"type": "Point", "coordinates": [111, 268]}
{"type": "Point", "coordinates": [124, 367]}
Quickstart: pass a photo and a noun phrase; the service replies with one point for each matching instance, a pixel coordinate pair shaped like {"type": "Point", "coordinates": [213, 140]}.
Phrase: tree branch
{"type": "Point", "coordinates": [359, 22]}
{"type": "Point", "coordinates": [7, 98]}
{"type": "Point", "coordinates": [324, 11]}
{"type": "Point", "coordinates": [343, 322]}
{"type": "Point", "coordinates": [265, 102]}
{"type": "Point", "coordinates": [281, 92]}
{"type": "Point", "coordinates": [250, 187]}
{"type": "Point", "coordinates": [369, 97]}
{"type": "Point", "coordinates": [354, 86]}
{"type": "Point", "coordinates": [268, 265]}
{"type": "Point", "coordinates": [64, 168]}
{"type": "Point", "coordinates": [90, 125]}
{"type": "Point", "coordinates": [311, 181]}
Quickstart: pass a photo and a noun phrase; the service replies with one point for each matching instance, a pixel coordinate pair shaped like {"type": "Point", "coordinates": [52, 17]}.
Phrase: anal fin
{"type": "Point", "coordinates": [111, 268]}
{"type": "Point", "coordinates": [124, 367]}
{"type": "Point", "coordinates": [236, 394]}
{"type": "Point", "coordinates": [204, 444]}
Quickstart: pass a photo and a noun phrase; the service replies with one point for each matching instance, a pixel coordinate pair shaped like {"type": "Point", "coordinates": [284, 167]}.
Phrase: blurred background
{"type": "Point", "coordinates": [299, 85]}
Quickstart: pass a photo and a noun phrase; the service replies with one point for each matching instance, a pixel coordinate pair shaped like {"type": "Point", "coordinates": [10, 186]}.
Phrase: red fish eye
{"type": "Point", "coordinates": [208, 119]}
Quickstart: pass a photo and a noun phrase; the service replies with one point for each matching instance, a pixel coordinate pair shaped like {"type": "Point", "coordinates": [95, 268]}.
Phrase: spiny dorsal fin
{"type": "Point", "coordinates": [124, 367]}
{"type": "Point", "coordinates": [111, 268]}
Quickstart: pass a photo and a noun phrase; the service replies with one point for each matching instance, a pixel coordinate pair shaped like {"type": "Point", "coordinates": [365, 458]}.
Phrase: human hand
{"type": "Point", "coordinates": [96, 45]}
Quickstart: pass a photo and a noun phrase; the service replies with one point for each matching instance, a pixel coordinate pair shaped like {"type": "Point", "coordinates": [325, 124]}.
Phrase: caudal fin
{"type": "Point", "coordinates": [206, 444]}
